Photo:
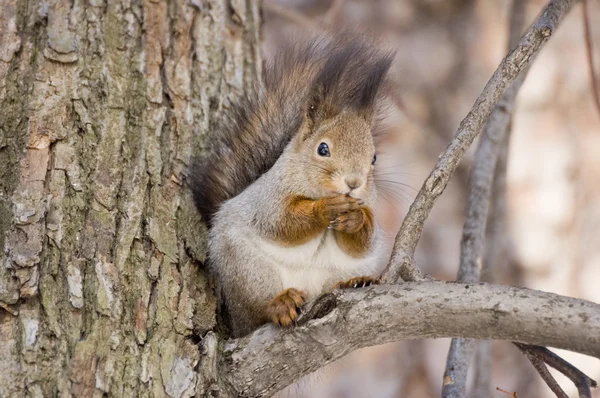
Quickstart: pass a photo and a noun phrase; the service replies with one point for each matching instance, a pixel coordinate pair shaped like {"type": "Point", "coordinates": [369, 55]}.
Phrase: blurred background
{"type": "Point", "coordinates": [446, 52]}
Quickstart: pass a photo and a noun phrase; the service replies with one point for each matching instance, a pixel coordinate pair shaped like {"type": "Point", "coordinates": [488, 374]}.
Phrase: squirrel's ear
{"type": "Point", "coordinates": [323, 102]}
{"type": "Point", "coordinates": [317, 109]}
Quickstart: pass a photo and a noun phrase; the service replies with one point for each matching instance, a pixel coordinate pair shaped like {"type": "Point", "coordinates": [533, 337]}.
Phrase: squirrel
{"type": "Point", "coordinates": [287, 185]}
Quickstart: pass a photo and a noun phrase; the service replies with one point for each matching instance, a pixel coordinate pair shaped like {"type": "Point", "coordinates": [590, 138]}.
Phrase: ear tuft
{"type": "Point", "coordinates": [350, 78]}
{"type": "Point", "coordinates": [372, 82]}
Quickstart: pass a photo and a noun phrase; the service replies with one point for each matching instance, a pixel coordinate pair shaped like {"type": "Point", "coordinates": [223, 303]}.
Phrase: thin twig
{"type": "Point", "coordinates": [580, 379]}
{"type": "Point", "coordinates": [544, 355]}
{"type": "Point", "coordinates": [541, 368]}
{"type": "Point", "coordinates": [401, 263]}
{"type": "Point", "coordinates": [512, 394]}
{"type": "Point", "coordinates": [590, 55]}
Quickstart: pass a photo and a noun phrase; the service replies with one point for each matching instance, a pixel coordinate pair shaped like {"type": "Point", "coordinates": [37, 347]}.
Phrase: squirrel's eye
{"type": "Point", "coordinates": [374, 159]}
{"type": "Point", "coordinates": [323, 149]}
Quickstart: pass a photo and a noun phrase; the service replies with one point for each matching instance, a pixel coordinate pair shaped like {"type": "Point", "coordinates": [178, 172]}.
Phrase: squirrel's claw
{"type": "Point", "coordinates": [350, 222]}
{"type": "Point", "coordinates": [354, 283]}
{"type": "Point", "coordinates": [330, 208]}
{"type": "Point", "coordinates": [285, 308]}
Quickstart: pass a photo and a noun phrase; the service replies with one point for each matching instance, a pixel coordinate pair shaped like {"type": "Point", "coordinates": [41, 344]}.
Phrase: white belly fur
{"type": "Point", "coordinates": [310, 266]}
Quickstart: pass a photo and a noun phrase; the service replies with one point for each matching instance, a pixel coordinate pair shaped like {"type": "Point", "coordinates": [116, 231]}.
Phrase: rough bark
{"type": "Point", "coordinates": [102, 103]}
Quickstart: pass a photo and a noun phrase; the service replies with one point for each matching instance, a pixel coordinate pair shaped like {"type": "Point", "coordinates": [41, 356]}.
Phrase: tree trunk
{"type": "Point", "coordinates": [102, 104]}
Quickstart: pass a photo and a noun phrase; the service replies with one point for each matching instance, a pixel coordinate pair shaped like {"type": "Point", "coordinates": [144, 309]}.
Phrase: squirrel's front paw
{"type": "Point", "coordinates": [330, 208]}
{"type": "Point", "coordinates": [361, 281]}
{"type": "Point", "coordinates": [284, 308]}
{"type": "Point", "coordinates": [350, 222]}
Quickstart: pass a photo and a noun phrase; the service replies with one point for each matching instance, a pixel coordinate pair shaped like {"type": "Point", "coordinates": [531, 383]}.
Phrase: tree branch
{"type": "Point", "coordinates": [270, 358]}
{"type": "Point", "coordinates": [482, 383]}
{"type": "Point", "coordinates": [496, 250]}
{"type": "Point", "coordinates": [401, 263]}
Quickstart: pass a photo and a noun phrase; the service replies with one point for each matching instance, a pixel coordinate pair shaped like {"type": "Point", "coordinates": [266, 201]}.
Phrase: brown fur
{"type": "Point", "coordinates": [305, 218]}
{"type": "Point", "coordinates": [357, 242]}
{"type": "Point", "coordinates": [299, 224]}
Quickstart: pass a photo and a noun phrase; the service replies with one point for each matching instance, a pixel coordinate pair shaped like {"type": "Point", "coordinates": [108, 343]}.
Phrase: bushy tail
{"type": "Point", "coordinates": [341, 71]}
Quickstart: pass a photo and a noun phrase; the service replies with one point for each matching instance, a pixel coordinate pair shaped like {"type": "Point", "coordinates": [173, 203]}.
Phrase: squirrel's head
{"type": "Point", "coordinates": [339, 156]}
{"type": "Point", "coordinates": [335, 147]}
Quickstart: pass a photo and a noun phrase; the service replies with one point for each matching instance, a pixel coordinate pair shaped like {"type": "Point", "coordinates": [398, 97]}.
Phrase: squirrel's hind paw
{"type": "Point", "coordinates": [284, 308]}
{"type": "Point", "coordinates": [361, 281]}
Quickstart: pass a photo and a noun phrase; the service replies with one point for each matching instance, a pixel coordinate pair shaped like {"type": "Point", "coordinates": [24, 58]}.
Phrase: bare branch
{"type": "Point", "coordinates": [495, 251]}
{"type": "Point", "coordinates": [483, 370]}
{"type": "Point", "coordinates": [540, 366]}
{"type": "Point", "coordinates": [590, 55]}
{"type": "Point", "coordinates": [270, 359]}
{"type": "Point", "coordinates": [457, 366]}
{"type": "Point", "coordinates": [506, 73]}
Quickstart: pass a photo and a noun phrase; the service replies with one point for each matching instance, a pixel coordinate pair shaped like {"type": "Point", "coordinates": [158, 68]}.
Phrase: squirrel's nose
{"type": "Point", "coordinates": [353, 182]}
